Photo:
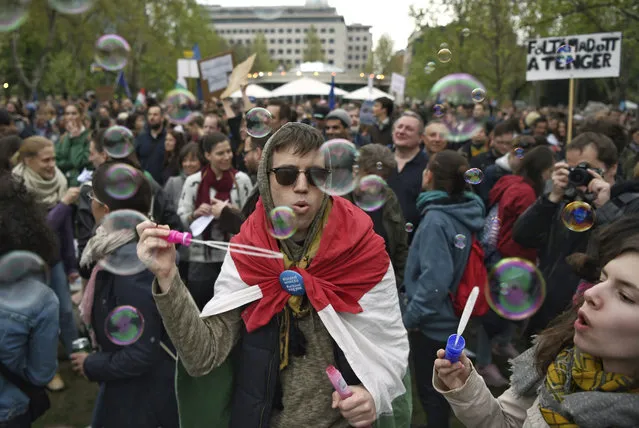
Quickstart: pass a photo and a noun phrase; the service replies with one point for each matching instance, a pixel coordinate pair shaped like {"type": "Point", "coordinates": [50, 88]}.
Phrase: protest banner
{"type": "Point", "coordinates": [584, 56]}
{"type": "Point", "coordinates": [238, 76]}
{"type": "Point", "coordinates": [214, 74]}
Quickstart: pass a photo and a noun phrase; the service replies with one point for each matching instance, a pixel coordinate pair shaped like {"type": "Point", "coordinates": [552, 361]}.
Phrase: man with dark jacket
{"type": "Point", "coordinates": [541, 226]}
{"type": "Point", "coordinates": [500, 144]}
{"type": "Point", "coordinates": [382, 131]}
{"type": "Point", "coordinates": [149, 145]}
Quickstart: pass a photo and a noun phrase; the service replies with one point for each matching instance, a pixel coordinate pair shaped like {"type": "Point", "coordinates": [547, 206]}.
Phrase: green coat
{"type": "Point", "coordinates": [205, 401]}
{"type": "Point", "coordinates": [72, 155]}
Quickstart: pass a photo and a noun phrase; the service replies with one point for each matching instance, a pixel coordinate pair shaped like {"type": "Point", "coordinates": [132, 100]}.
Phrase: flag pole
{"type": "Point", "coordinates": [571, 107]}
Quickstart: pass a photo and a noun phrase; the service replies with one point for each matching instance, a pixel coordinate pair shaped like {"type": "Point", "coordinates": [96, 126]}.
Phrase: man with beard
{"type": "Point", "coordinates": [149, 144]}
{"type": "Point", "coordinates": [328, 301]}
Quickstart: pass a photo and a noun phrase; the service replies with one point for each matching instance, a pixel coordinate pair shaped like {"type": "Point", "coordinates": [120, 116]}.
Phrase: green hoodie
{"type": "Point", "coordinates": [72, 155]}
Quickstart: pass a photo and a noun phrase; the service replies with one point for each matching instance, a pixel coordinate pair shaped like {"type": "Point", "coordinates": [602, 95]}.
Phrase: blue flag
{"type": "Point", "coordinates": [331, 94]}
{"type": "Point", "coordinates": [121, 81]}
{"type": "Point", "coordinates": [198, 56]}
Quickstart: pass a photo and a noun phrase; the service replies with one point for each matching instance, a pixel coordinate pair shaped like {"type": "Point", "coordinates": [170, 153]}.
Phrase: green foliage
{"type": "Point", "coordinates": [313, 51]}
{"type": "Point", "coordinates": [383, 53]}
{"type": "Point", "coordinates": [370, 63]}
{"type": "Point", "coordinates": [55, 51]}
{"type": "Point", "coordinates": [263, 61]}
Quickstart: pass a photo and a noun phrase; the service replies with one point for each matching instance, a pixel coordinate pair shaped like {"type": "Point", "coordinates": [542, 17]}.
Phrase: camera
{"type": "Point", "coordinates": [579, 175]}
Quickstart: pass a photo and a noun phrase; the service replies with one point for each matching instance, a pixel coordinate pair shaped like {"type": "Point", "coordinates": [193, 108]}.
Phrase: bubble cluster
{"type": "Point", "coordinates": [466, 32]}
{"type": "Point", "coordinates": [283, 222]}
{"type": "Point", "coordinates": [516, 289]}
{"type": "Point", "coordinates": [112, 52]}
{"type": "Point", "coordinates": [478, 95]}
{"type": "Point", "coordinates": [118, 142]}
{"type": "Point", "coordinates": [565, 54]}
{"type": "Point", "coordinates": [460, 241]}
{"type": "Point", "coordinates": [122, 181]}
{"type": "Point", "coordinates": [370, 193]}
{"type": "Point", "coordinates": [444, 55]}
{"type": "Point", "coordinates": [180, 104]}
{"type": "Point", "coordinates": [13, 13]}
{"type": "Point", "coordinates": [123, 260]}
{"type": "Point", "coordinates": [258, 122]}
{"type": "Point", "coordinates": [124, 325]}
{"type": "Point", "coordinates": [578, 216]}
{"type": "Point", "coordinates": [474, 176]}
{"type": "Point", "coordinates": [409, 227]}
{"type": "Point", "coordinates": [71, 7]}
{"type": "Point", "coordinates": [340, 157]}
{"type": "Point", "coordinates": [430, 67]}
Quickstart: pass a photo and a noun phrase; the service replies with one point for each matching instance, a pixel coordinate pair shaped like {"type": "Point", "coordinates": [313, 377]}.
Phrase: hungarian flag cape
{"type": "Point", "coordinates": [350, 283]}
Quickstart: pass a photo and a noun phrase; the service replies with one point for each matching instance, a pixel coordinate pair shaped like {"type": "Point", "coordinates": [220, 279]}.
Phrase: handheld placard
{"type": "Point", "coordinates": [456, 342]}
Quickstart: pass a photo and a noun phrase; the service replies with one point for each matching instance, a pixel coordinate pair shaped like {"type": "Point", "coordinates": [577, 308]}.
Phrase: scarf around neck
{"type": "Point", "coordinates": [222, 187]}
{"type": "Point", "coordinates": [47, 192]}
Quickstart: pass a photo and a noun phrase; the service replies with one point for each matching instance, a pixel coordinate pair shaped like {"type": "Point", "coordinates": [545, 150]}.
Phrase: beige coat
{"type": "Point", "coordinates": [475, 406]}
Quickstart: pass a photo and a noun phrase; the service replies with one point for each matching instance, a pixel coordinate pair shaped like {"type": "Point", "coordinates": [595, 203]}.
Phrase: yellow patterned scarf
{"type": "Point", "coordinates": [299, 306]}
{"type": "Point", "coordinates": [575, 371]}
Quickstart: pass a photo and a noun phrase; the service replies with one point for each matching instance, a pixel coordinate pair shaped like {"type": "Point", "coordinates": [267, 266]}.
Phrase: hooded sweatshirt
{"type": "Point", "coordinates": [514, 194]}
{"type": "Point", "coordinates": [435, 264]}
{"type": "Point", "coordinates": [492, 174]}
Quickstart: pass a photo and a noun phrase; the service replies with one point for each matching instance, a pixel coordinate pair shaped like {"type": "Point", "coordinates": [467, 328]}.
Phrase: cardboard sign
{"type": "Point", "coordinates": [398, 84]}
{"type": "Point", "coordinates": [104, 93]}
{"type": "Point", "coordinates": [214, 74]}
{"type": "Point", "coordinates": [238, 77]}
{"type": "Point", "coordinates": [583, 56]}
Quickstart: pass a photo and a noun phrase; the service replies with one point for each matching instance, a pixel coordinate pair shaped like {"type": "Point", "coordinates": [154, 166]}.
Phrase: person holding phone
{"type": "Point", "coordinates": [72, 152]}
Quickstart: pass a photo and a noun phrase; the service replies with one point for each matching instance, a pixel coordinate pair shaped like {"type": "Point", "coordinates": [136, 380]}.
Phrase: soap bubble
{"type": "Point", "coordinates": [118, 142]}
{"type": "Point", "coordinates": [438, 110]}
{"type": "Point", "coordinates": [258, 122]}
{"type": "Point", "coordinates": [578, 216]}
{"type": "Point", "coordinates": [443, 46]}
{"type": "Point", "coordinates": [370, 193]}
{"type": "Point", "coordinates": [124, 325]}
{"type": "Point", "coordinates": [444, 55]}
{"type": "Point", "coordinates": [478, 95]}
{"type": "Point", "coordinates": [180, 104]}
{"type": "Point", "coordinates": [466, 32]}
{"type": "Point", "coordinates": [13, 13]}
{"type": "Point", "coordinates": [516, 289]}
{"type": "Point", "coordinates": [268, 13]}
{"type": "Point", "coordinates": [71, 7]}
{"type": "Point", "coordinates": [123, 260]}
{"type": "Point", "coordinates": [460, 241]}
{"type": "Point", "coordinates": [431, 64]}
{"type": "Point", "coordinates": [456, 90]}
{"type": "Point", "coordinates": [340, 157]}
{"type": "Point", "coordinates": [565, 54]}
{"type": "Point", "coordinates": [122, 181]}
{"type": "Point", "coordinates": [112, 52]}
{"type": "Point", "coordinates": [519, 152]}
{"type": "Point", "coordinates": [379, 166]}
{"type": "Point", "coordinates": [474, 176]}
{"type": "Point", "coordinates": [409, 227]}
{"type": "Point", "coordinates": [283, 222]}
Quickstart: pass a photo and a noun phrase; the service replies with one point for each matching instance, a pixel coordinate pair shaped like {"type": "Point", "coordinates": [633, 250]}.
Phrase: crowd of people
{"type": "Point", "coordinates": [229, 339]}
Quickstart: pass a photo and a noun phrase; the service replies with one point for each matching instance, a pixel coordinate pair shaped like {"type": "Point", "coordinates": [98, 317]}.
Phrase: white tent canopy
{"type": "Point", "coordinates": [365, 94]}
{"type": "Point", "coordinates": [305, 86]}
{"type": "Point", "coordinates": [255, 91]}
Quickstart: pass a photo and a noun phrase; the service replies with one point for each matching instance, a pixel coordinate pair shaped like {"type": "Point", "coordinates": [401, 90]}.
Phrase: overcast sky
{"type": "Point", "coordinates": [385, 17]}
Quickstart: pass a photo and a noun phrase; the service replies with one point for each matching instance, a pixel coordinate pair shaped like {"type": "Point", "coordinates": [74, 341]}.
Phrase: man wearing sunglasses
{"type": "Point", "coordinates": [331, 300]}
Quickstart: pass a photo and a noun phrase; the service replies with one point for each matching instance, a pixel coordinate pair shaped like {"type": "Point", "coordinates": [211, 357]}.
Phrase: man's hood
{"type": "Point", "coordinates": [17, 265]}
{"type": "Point", "coordinates": [469, 210]}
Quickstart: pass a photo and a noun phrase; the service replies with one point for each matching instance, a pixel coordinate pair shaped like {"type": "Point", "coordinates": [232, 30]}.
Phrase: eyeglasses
{"type": "Point", "coordinates": [92, 197]}
{"type": "Point", "coordinates": [287, 175]}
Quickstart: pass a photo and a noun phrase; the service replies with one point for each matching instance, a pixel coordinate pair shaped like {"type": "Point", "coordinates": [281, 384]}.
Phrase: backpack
{"type": "Point", "coordinates": [475, 274]}
{"type": "Point", "coordinates": [489, 237]}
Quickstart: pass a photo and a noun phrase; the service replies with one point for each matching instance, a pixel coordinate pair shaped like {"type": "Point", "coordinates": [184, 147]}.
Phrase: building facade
{"type": "Point", "coordinates": [286, 28]}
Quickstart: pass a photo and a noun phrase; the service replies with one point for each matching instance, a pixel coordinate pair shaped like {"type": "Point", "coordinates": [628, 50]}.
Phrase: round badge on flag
{"type": "Point", "coordinates": [292, 282]}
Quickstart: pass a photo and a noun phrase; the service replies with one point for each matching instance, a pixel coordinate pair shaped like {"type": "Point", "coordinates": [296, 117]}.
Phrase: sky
{"type": "Point", "coordinates": [385, 17]}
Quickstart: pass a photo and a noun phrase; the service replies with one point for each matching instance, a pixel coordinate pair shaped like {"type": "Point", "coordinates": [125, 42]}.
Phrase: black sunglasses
{"type": "Point", "coordinates": [287, 175]}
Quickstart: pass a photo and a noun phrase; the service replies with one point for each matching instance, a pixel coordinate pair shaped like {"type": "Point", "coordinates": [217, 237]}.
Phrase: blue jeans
{"type": "Point", "coordinates": [60, 285]}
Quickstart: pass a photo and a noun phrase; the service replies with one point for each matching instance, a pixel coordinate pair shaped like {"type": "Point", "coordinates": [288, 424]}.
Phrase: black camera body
{"type": "Point", "coordinates": [579, 175]}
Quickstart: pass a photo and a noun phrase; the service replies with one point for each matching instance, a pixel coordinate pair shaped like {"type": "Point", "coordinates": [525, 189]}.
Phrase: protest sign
{"type": "Point", "coordinates": [583, 56]}
{"type": "Point", "coordinates": [239, 76]}
{"type": "Point", "coordinates": [214, 74]}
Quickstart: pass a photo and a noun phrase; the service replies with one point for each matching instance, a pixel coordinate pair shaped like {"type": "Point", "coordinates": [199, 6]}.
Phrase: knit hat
{"type": "Point", "coordinates": [342, 115]}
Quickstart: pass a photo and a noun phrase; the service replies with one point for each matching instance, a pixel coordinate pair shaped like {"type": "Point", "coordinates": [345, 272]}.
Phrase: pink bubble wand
{"type": "Point", "coordinates": [186, 239]}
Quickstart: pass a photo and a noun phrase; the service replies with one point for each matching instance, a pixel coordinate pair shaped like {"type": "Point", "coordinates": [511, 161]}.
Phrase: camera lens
{"type": "Point", "coordinates": [579, 177]}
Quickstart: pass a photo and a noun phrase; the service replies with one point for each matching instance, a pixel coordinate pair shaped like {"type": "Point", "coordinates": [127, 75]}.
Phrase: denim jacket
{"type": "Point", "coordinates": [28, 328]}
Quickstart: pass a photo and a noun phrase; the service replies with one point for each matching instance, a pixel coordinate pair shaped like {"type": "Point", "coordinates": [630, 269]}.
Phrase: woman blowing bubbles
{"type": "Point", "coordinates": [583, 370]}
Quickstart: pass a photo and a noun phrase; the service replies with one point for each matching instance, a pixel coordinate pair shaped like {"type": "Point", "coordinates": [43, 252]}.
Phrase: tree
{"type": "Point", "coordinates": [395, 65]}
{"type": "Point", "coordinates": [52, 52]}
{"type": "Point", "coordinates": [313, 51]}
{"type": "Point", "coordinates": [240, 53]}
{"type": "Point", "coordinates": [263, 60]}
{"type": "Point", "coordinates": [383, 53]}
{"type": "Point", "coordinates": [370, 63]}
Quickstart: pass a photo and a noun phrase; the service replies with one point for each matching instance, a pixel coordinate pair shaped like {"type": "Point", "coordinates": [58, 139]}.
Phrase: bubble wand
{"type": "Point", "coordinates": [186, 239]}
{"type": "Point", "coordinates": [456, 343]}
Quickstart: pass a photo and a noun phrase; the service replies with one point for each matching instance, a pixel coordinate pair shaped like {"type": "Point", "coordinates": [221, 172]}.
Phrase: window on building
{"type": "Point", "coordinates": [289, 30]}
{"type": "Point", "coordinates": [297, 30]}
{"type": "Point", "coordinates": [356, 56]}
{"type": "Point", "coordinates": [271, 51]}
{"type": "Point", "coordinates": [234, 31]}
{"type": "Point", "coordinates": [350, 39]}
{"type": "Point", "coordinates": [331, 51]}
{"type": "Point", "coordinates": [272, 41]}
{"type": "Point", "coordinates": [356, 48]}
{"type": "Point", "coordinates": [288, 51]}
{"type": "Point", "coordinates": [331, 41]}
{"type": "Point", "coordinates": [297, 41]}
{"type": "Point", "coordinates": [330, 61]}
{"type": "Point", "coordinates": [297, 61]}
{"type": "Point", "coordinates": [322, 30]}
{"type": "Point", "coordinates": [289, 41]}
{"type": "Point", "coordinates": [350, 57]}
{"type": "Point", "coordinates": [365, 39]}
{"type": "Point", "coordinates": [306, 30]}
{"type": "Point", "coordinates": [288, 61]}
{"type": "Point", "coordinates": [357, 39]}
{"type": "Point", "coordinates": [350, 67]}
{"type": "Point", "coordinates": [280, 51]}
{"type": "Point", "coordinates": [331, 30]}
{"type": "Point", "coordinates": [297, 51]}
{"type": "Point", "coordinates": [281, 30]}
{"type": "Point", "coordinates": [280, 41]}
{"type": "Point", "coordinates": [323, 40]}
{"type": "Point", "coordinates": [231, 41]}
{"type": "Point", "coordinates": [323, 51]}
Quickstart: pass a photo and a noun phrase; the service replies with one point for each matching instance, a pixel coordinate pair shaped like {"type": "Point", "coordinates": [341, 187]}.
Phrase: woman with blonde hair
{"type": "Point", "coordinates": [37, 169]}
